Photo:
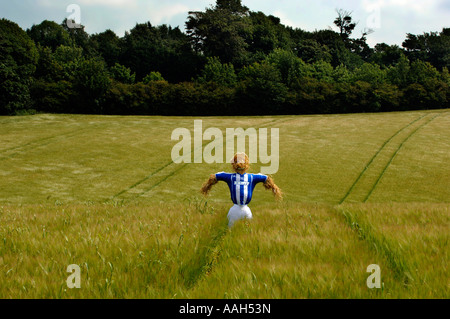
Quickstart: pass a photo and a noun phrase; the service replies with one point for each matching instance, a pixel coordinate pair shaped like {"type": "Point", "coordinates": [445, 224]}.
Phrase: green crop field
{"type": "Point", "coordinates": [103, 193]}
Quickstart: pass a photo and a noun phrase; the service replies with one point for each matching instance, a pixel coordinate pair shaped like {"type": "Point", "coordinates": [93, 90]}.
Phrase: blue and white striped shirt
{"type": "Point", "coordinates": [241, 186]}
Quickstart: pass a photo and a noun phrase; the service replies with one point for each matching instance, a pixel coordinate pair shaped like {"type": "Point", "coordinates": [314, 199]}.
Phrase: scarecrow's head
{"type": "Point", "coordinates": [240, 163]}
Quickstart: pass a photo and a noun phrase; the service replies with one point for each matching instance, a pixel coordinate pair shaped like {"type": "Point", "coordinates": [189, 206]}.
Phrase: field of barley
{"type": "Point", "coordinates": [103, 193]}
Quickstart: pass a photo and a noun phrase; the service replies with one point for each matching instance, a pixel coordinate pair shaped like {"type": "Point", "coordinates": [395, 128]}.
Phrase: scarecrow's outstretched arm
{"type": "Point", "coordinates": [270, 185]}
{"type": "Point", "coordinates": [206, 188]}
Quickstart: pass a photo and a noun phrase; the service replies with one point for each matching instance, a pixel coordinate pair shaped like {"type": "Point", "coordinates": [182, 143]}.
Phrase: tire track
{"type": "Point", "coordinates": [161, 181]}
{"type": "Point", "coordinates": [14, 119]}
{"type": "Point", "coordinates": [271, 122]}
{"type": "Point", "coordinates": [375, 156]}
{"type": "Point", "coordinates": [202, 262]}
{"type": "Point", "coordinates": [23, 147]}
{"type": "Point", "coordinates": [38, 143]}
{"type": "Point", "coordinates": [395, 154]}
{"type": "Point", "coordinates": [35, 141]}
{"type": "Point", "coordinates": [142, 180]}
{"type": "Point", "coordinates": [378, 244]}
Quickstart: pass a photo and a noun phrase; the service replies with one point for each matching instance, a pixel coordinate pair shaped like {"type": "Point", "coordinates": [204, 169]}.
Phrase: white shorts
{"type": "Point", "coordinates": [237, 213]}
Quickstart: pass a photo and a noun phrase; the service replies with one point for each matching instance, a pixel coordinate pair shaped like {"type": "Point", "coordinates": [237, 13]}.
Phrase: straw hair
{"type": "Point", "coordinates": [240, 163]}
{"type": "Point", "coordinates": [206, 187]}
{"type": "Point", "coordinates": [270, 185]}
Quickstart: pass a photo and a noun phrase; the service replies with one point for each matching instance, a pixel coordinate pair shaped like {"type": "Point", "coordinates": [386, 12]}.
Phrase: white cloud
{"type": "Point", "coordinates": [163, 14]}
{"type": "Point", "coordinates": [284, 19]}
{"type": "Point", "coordinates": [44, 3]}
{"type": "Point", "coordinates": [416, 6]}
{"type": "Point", "coordinates": [398, 17]}
{"type": "Point", "coordinates": [109, 3]}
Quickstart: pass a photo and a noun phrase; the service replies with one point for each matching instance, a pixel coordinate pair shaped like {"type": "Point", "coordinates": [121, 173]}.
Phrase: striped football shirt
{"type": "Point", "coordinates": [241, 186]}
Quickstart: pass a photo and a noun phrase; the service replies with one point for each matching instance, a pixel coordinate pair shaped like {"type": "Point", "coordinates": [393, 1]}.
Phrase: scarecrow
{"type": "Point", "coordinates": [241, 185]}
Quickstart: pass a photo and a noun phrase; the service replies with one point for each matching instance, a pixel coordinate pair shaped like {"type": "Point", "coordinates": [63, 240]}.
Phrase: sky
{"type": "Point", "coordinates": [390, 20]}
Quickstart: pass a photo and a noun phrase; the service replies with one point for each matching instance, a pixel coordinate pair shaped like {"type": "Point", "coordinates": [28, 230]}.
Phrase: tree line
{"type": "Point", "coordinates": [229, 61]}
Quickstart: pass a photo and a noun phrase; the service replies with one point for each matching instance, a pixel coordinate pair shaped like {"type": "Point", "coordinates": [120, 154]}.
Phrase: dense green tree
{"type": "Point", "coordinates": [340, 54]}
{"type": "Point", "coordinates": [53, 90]}
{"type": "Point", "coordinates": [48, 68]}
{"type": "Point", "coordinates": [221, 31]}
{"type": "Point", "coordinates": [322, 71]}
{"type": "Point", "coordinates": [80, 38]}
{"type": "Point", "coordinates": [18, 59]}
{"type": "Point", "coordinates": [386, 55]}
{"type": "Point", "coordinates": [445, 76]}
{"type": "Point", "coordinates": [421, 72]}
{"type": "Point", "coordinates": [267, 34]}
{"type": "Point", "coordinates": [360, 46]}
{"type": "Point", "coordinates": [49, 34]}
{"type": "Point", "coordinates": [370, 73]}
{"type": "Point", "coordinates": [153, 77]}
{"type": "Point", "coordinates": [388, 97]}
{"type": "Point", "coordinates": [69, 59]}
{"type": "Point", "coordinates": [290, 67]}
{"type": "Point", "coordinates": [140, 49]}
{"type": "Point", "coordinates": [234, 6]}
{"type": "Point", "coordinates": [431, 47]}
{"type": "Point", "coordinates": [261, 89]}
{"type": "Point", "coordinates": [108, 45]}
{"type": "Point", "coordinates": [53, 96]}
{"type": "Point", "coordinates": [341, 74]}
{"type": "Point", "coordinates": [91, 82]}
{"type": "Point", "coordinates": [311, 51]}
{"type": "Point", "coordinates": [218, 73]}
{"type": "Point", "coordinates": [122, 74]}
{"type": "Point", "coordinates": [398, 73]}
{"type": "Point", "coordinates": [163, 49]}
{"type": "Point", "coordinates": [311, 95]}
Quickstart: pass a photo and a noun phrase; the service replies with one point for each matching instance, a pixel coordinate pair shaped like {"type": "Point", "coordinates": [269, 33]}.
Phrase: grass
{"type": "Point", "coordinates": [414, 241]}
{"type": "Point", "coordinates": [102, 192]}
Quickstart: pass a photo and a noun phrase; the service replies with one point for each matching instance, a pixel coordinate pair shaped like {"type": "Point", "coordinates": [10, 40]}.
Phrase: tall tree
{"type": "Point", "coordinates": [163, 49]}
{"type": "Point", "coordinates": [231, 5]}
{"type": "Point", "coordinates": [340, 53]}
{"type": "Point", "coordinates": [221, 31]}
{"type": "Point", "coordinates": [91, 81]}
{"type": "Point", "coordinates": [344, 22]}
{"type": "Point", "coordinates": [267, 34]}
{"type": "Point", "coordinates": [18, 59]}
{"type": "Point", "coordinates": [216, 72]}
{"type": "Point", "coordinates": [80, 38]}
{"type": "Point", "coordinates": [360, 46]}
{"type": "Point", "coordinates": [386, 55]}
{"type": "Point", "coordinates": [432, 47]}
{"type": "Point", "coordinates": [346, 25]}
{"type": "Point", "coordinates": [49, 34]}
{"type": "Point", "coordinates": [108, 45]}
{"type": "Point", "coordinates": [311, 51]}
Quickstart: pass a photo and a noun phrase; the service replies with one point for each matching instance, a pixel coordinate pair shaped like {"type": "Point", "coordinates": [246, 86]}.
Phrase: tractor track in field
{"type": "Point", "coordinates": [372, 160]}
{"type": "Point", "coordinates": [38, 143]}
{"type": "Point", "coordinates": [153, 186]}
{"type": "Point", "coordinates": [395, 261]}
{"type": "Point", "coordinates": [395, 154]}
{"type": "Point", "coordinates": [203, 262]}
{"type": "Point", "coordinates": [376, 155]}
{"type": "Point", "coordinates": [161, 181]}
{"type": "Point", "coordinates": [34, 142]}
{"type": "Point", "coordinates": [377, 245]}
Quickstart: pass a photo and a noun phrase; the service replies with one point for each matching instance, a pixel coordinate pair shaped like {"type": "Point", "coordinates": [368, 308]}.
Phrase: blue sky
{"type": "Point", "coordinates": [390, 19]}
